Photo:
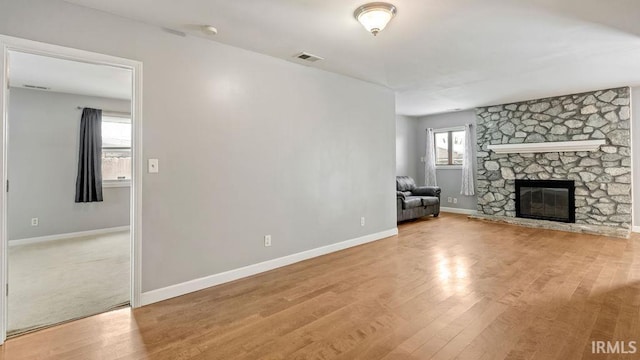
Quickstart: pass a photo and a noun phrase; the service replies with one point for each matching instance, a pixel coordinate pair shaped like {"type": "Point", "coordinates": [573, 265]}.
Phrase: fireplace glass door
{"type": "Point", "coordinates": [547, 200]}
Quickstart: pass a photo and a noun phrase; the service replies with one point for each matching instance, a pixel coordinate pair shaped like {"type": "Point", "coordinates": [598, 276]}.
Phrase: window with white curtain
{"type": "Point", "coordinates": [449, 144]}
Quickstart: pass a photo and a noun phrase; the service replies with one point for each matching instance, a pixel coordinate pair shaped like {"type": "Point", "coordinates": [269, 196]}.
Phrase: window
{"type": "Point", "coordinates": [449, 145]}
{"type": "Point", "coordinates": [116, 150]}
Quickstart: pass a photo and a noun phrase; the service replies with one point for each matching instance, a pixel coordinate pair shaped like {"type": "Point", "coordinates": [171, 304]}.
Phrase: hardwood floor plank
{"type": "Point", "coordinates": [444, 288]}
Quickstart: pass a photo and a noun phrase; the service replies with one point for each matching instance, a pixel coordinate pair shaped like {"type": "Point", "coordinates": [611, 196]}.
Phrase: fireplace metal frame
{"type": "Point", "coordinates": [555, 184]}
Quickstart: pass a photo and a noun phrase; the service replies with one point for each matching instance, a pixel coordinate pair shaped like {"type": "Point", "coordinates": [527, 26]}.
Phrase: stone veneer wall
{"type": "Point", "coordinates": [602, 178]}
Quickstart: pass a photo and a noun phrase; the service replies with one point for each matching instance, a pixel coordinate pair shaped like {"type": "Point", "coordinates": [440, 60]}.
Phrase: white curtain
{"type": "Point", "coordinates": [430, 160]}
{"type": "Point", "coordinates": [467, 163]}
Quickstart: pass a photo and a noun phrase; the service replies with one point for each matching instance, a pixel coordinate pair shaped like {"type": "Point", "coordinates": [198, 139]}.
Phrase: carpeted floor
{"type": "Point", "coordinates": [57, 281]}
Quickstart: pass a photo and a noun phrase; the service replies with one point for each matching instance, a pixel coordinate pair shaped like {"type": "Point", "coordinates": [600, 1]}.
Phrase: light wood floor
{"type": "Point", "coordinates": [445, 288]}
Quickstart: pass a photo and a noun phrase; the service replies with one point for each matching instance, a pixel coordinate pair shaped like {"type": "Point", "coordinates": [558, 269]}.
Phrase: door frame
{"type": "Point", "coordinates": [8, 43]}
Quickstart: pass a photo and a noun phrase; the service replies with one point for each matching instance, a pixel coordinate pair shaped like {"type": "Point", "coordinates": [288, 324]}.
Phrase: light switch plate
{"type": "Point", "coordinates": [153, 166]}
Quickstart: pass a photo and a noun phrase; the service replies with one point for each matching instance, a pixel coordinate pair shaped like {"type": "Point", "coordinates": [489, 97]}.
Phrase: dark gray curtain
{"type": "Point", "coordinates": [89, 180]}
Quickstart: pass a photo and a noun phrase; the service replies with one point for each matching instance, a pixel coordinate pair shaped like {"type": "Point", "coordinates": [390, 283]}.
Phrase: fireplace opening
{"type": "Point", "coordinates": [546, 200]}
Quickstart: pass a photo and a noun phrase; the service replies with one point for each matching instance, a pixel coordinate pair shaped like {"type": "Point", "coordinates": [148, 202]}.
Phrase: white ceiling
{"type": "Point", "coordinates": [67, 76]}
{"type": "Point", "coordinates": [437, 55]}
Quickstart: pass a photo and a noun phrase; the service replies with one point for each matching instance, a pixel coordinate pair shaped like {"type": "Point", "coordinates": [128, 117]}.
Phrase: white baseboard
{"type": "Point", "coordinates": [186, 287]}
{"type": "Point", "coordinates": [40, 239]}
{"type": "Point", "coordinates": [458, 211]}
{"type": "Point", "coordinates": [635, 229]}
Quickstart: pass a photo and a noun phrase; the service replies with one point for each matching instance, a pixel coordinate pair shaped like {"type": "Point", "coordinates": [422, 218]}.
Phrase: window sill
{"type": "Point", "coordinates": [116, 183]}
{"type": "Point", "coordinates": [449, 167]}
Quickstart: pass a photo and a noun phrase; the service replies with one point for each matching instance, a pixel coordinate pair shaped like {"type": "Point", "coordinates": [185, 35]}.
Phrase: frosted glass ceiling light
{"type": "Point", "coordinates": [375, 16]}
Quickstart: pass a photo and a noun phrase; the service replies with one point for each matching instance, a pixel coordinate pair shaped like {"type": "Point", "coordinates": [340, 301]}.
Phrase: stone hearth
{"type": "Point", "coordinates": [553, 225]}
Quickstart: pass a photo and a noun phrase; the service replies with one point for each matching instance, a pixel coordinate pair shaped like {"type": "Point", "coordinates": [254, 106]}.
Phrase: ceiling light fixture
{"type": "Point", "coordinates": [375, 16]}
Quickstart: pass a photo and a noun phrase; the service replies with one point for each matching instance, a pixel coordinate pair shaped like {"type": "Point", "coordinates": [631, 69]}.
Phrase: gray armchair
{"type": "Point", "coordinates": [414, 202]}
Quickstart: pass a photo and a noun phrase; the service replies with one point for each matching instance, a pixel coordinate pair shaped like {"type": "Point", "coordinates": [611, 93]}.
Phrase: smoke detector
{"type": "Point", "coordinates": [209, 30]}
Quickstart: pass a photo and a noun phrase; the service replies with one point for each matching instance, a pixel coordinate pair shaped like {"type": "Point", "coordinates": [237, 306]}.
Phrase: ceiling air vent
{"type": "Point", "coordinates": [175, 32]}
{"type": "Point", "coordinates": [36, 87]}
{"type": "Point", "coordinates": [308, 57]}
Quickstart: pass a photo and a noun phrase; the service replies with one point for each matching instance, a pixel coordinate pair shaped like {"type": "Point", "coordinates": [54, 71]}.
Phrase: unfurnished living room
{"type": "Point", "coordinates": [320, 179]}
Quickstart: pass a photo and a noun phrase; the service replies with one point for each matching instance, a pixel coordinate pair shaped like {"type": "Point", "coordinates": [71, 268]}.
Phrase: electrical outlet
{"type": "Point", "coordinates": [449, 199]}
{"type": "Point", "coordinates": [34, 222]}
{"type": "Point", "coordinates": [455, 200]}
{"type": "Point", "coordinates": [267, 240]}
{"type": "Point", "coordinates": [362, 221]}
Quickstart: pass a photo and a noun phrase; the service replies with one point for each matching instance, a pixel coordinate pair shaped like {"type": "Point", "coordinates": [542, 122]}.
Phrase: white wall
{"type": "Point", "coordinates": [449, 180]}
{"type": "Point", "coordinates": [248, 145]}
{"type": "Point", "coordinates": [407, 157]}
{"type": "Point", "coordinates": [44, 130]}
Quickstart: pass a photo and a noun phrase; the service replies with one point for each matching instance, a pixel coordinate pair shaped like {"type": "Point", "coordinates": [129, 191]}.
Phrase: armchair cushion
{"type": "Point", "coordinates": [405, 183]}
{"type": "Point", "coordinates": [412, 202]}
{"type": "Point", "coordinates": [426, 191]}
{"type": "Point", "coordinates": [430, 200]}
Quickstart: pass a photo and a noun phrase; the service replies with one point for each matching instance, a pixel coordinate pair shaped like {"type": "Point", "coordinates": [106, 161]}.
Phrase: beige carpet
{"type": "Point", "coordinates": [57, 281]}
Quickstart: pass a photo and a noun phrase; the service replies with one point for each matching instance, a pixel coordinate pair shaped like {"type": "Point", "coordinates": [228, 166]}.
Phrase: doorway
{"type": "Point", "coordinates": [67, 255]}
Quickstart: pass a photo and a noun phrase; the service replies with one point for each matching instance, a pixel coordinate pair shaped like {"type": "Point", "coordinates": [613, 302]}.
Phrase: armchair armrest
{"type": "Point", "coordinates": [426, 191]}
{"type": "Point", "coordinates": [403, 194]}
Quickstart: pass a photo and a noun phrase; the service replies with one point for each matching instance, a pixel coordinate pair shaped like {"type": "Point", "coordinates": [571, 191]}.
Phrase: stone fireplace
{"type": "Point", "coordinates": [601, 175]}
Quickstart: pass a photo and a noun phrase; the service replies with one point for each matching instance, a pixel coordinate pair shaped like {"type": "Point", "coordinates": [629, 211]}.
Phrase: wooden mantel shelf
{"type": "Point", "coordinates": [558, 146]}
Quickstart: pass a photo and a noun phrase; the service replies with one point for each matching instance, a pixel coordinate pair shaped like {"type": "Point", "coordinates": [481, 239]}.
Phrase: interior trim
{"type": "Point", "coordinates": [554, 146]}
{"type": "Point", "coordinates": [186, 287]}
{"type": "Point", "coordinates": [40, 239]}
{"type": "Point", "coordinates": [8, 43]}
{"type": "Point", "coordinates": [458, 210]}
